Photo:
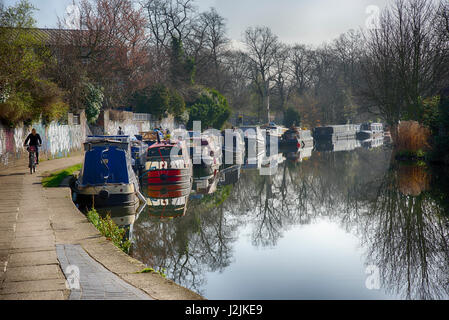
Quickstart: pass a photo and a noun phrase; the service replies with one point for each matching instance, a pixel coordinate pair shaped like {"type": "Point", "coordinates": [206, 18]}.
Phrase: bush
{"type": "Point", "coordinates": [177, 105]}
{"type": "Point", "coordinates": [211, 108]}
{"type": "Point", "coordinates": [292, 117]}
{"type": "Point", "coordinates": [154, 99]}
{"type": "Point", "coordinates": [93, 97]}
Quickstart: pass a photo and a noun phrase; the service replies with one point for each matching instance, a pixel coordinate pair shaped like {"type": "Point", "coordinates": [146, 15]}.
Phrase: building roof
{"type": "Point", "coordinates": [53, 37]}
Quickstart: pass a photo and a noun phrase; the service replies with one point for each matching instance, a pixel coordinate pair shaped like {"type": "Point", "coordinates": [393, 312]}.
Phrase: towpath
{"type": "Point", "coordinates": [45, 240]}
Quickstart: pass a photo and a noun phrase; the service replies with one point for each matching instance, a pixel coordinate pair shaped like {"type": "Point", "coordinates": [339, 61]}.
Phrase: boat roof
{"type": "Point", "coordinates": [99, 137]}
{"type": "Point", "coordinates": [162, 144]}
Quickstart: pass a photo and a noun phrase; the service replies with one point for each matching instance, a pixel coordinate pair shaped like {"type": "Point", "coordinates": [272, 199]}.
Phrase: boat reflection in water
{"type": "Point", "coordinates": [167, 201]}
{"type": "Point", "coordinates": [229, 175]}
{"type": "Point", "coordinates": [204, 185]}
{"type": "Point", "coordinates": [298, 155]}
{"type": "Point", "coordinates": [373, 143]}
{"type": "Point", "coordinates": [270, 164]}
{"type": "Point", "coordinates": [333, 145]}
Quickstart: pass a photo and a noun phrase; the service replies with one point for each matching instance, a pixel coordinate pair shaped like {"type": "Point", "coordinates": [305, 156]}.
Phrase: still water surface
{"type": "Point", "coordinates": [337, 225]}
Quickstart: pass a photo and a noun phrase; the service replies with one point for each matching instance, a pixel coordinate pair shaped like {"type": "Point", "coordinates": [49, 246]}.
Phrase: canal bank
{"type": "Point", "coordinates": [42, 233]}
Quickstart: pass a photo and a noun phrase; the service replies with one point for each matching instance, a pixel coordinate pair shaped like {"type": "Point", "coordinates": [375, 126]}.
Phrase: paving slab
{"type": "Point", "coordinates": [30, 273]}
{"type": "Point", "coordinates": [33, 286]}
{"type": "Point", "coordinates": [33, 258]}
{"type": "Point", "coordinates": [48, 295]}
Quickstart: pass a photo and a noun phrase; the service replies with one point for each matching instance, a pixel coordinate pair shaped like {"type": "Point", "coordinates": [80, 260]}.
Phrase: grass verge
{"type": "Point", "coordinates": [55, 179]}
{"type": "Point", "coordinates": [110, 230]}
{"type": "Point", "coordinates": [151, 270]}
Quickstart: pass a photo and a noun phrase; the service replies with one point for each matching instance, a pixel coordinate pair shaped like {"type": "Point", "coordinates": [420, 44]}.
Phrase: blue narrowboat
{"type": "Point", "coordinates": [107, 178]}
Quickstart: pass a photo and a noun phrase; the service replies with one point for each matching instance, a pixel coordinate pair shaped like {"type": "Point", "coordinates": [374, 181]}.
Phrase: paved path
{"type": "Point", "coordinates": [28, 257]}
{"type": "Point", "coordinates": [89, 280]}
{"type": "Point", "coordinates": [34, 220]}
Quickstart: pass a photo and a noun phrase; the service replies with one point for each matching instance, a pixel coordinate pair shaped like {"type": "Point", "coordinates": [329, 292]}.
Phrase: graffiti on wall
{"type": "Point", "coordinates": [57, 140]}
{"type": "Point", "coordinates": [129, 128]}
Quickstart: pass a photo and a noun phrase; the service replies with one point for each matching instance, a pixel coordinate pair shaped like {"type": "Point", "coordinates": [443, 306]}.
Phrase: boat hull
{"type": "Point", "coordinates": [168, 176]}
{"type": "Point", "coordinates": [105, 199]}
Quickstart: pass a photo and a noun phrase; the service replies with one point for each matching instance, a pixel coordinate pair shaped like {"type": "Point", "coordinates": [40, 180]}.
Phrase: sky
{"type": "Point", "coordinates": [294, 21]}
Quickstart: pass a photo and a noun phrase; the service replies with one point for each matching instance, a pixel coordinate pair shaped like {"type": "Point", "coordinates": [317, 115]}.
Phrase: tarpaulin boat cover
{"type": "Point", "coordinates": [95, 170]}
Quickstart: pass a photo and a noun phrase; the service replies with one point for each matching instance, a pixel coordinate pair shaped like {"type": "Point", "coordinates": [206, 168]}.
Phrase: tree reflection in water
{"type": "Point", "coordinates": [407, 235]}
{"type": "Point", "coordinates": [398, 213]}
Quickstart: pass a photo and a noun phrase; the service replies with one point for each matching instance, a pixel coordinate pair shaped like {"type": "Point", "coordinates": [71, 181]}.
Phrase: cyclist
{"type": "Point", "coordinates": [35, 140]}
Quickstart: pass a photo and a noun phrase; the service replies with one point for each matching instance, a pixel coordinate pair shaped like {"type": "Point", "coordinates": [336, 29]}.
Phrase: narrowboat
{"type": "Point", "coordinates": [206, 154]}
{"type": "Point", "coordinates": [272, 132]}
{"type": "Point", "coordinates": [233, 148]}
{"type": "Point", "coordinates": [295, 137]}
{"type": "Point", "coordinates": [370, 131]}
{"type": "Point", "coordinates": [106, 178]}
{"type": "Point", "coordinates": [167, 163]}
{"type": "Point", "coordinates": [254, 140]}
{"type": "Point", "coordinates": [338, 132]}
{"type": "Point", "coordinates": [138, 154]}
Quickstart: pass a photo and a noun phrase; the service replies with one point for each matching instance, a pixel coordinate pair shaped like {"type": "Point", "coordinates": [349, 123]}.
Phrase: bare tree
{"type": "Point", "coordinates": [168, 19]}
{"type": "Point", "coordinates": [262, 47]}
{"type": "Point", "coordinates": [301, 67]}
{"type": "Point", "coordinates": [215, 42]}
{"type": "Point", "coordinates": [404, 60]}
{"type": "Point", "coordinates": [282, 78]}
{"type": "Point", "coordinates": [109, 50]}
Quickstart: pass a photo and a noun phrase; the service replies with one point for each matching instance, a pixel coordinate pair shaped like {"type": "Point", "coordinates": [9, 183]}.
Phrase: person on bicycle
{"type": "Point", "coordinates": [35, 140]}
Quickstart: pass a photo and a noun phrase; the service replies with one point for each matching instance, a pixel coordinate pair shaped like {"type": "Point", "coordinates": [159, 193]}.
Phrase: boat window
{"type": "Point", "coordinates": [365, 126]}
{"type": "Point", "coordinates": [162, 151]}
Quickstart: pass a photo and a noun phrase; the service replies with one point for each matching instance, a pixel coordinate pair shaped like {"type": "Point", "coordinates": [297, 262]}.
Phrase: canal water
{"type": "Point", "coordinates": [322, 225]}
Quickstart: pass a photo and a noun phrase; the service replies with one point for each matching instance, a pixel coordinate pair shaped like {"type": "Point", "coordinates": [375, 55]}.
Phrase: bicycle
{"type": "Point", "coordinates": [32, 158]}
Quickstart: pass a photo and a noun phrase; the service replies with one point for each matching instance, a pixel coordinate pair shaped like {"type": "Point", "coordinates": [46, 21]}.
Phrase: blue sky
{"type": "Point", "coordinates": [294, 21]}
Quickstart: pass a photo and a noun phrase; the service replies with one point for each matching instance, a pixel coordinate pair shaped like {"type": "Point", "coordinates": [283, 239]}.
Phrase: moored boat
{"type": "Point", "coordinates": [167, 164]}
{"type": "Point", "coordinates": [295, 137]}
{"type": "Point", "coordinates": [206, 154]}
{"type": "Point", "coordinates": [370, 131]}
{"type": "Point", "coordinates": [273, 132]}
{"type": "Point", "coordinates": [138, 154]}
{"type": "Point", "coordinates": [337, 132]}
{"type": "Point", "coordinates": [254, 140]}
{"type": "Point", "coordinates": [233, 147]}
{"type": "Point", "coordinates": [106, 178]}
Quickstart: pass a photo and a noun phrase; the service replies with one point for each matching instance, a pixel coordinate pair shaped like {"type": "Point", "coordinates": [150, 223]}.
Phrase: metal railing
{"type": "Point", "coordinates": [142, 117]}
